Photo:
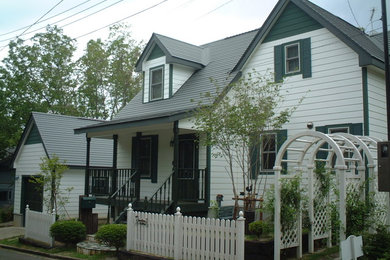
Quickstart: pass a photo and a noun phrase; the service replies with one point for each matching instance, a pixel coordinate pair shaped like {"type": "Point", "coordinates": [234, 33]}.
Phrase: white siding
{"type": "Point", "coordinates": [180, 75]}
{"type": "Point", "coordinates": [147, 65]}
{"type": "Point", "coordinates": [332, 95]}
{"type": "Point", "coordinates": [28, 162]}
{"type": "Point", "coordinates": [377, 104]}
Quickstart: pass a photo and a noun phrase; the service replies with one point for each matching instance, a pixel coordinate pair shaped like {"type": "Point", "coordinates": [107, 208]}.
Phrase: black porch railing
{"type": "Point", "coordinates": [118, 183]}
{"type": "Point", "coordinates": [191, 184]}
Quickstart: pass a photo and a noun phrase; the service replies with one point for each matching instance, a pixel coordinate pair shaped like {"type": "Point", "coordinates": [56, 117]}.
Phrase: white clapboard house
{"type": "Point", "coordinates": [158, 163]}
{"type": "Point", "coordinates": [46, 135]}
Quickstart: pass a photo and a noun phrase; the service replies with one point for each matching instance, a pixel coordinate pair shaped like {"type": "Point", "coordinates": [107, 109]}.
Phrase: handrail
{"type": "Point", "coordinates": [162, 194]}
{"type": "Point", "coordinates": [125, 184]}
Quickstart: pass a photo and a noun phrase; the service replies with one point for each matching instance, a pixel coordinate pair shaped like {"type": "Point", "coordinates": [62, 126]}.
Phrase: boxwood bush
{"type": "Point", "coordinates": [68, 231]}
{"type": "Point", "coordinates": [112, 235]}
{"type": "Point", "coordinates": [260, 227]}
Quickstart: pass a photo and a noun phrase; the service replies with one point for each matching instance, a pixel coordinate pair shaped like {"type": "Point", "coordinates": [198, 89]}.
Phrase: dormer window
{"type": "Point", "coordinates": [156, 83]}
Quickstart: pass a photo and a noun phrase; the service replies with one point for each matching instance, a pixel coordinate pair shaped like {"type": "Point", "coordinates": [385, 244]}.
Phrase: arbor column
{"type": "Point", "coordinates": [86, 185]}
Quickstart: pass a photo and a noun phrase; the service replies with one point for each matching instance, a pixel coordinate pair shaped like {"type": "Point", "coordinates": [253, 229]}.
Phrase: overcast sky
{"type": "Point", "coordinates": [193, 21]}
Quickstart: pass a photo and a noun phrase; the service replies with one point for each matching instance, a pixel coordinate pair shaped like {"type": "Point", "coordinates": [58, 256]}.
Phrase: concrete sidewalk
{"type": "Point", "coordinates": [10, 231]}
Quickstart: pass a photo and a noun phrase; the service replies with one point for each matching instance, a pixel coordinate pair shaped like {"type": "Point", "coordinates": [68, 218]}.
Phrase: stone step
{"type": "Point", "coordinates": [93, 248]}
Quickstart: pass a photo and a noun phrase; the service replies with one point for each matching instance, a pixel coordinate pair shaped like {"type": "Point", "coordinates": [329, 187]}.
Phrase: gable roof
{"type": "Point", "coordinates": [175, 51]}
{"type": "Point", "coordinates": [219, 69]}
{"type": "Point", "coordinates": [369, 52]}
{"type": "Point", "coordinates": [57, 135]}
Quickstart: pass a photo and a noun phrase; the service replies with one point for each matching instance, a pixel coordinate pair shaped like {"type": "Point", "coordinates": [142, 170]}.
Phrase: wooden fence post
{"type": "Point", "coordinates": [130, 228]}
{"type": "Point", "coordinates": [240, 236]}
{"type": "Point", "coordinates": [53, 220]}
{"type": "Point", "coordinates": [178, 239]}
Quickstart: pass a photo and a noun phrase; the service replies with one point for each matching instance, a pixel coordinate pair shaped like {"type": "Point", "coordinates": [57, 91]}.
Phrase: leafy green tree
{"type": "Point", "coordinates": [52, 170]}
{"type": "Point", "coordinates": [123, 82]}
{"type": "Point", "coordinates": [236, 123]}
{"type": "Point", "coordinates": [93, 81]}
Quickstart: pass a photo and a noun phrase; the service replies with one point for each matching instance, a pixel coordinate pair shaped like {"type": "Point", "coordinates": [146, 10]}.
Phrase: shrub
{"type": "Point", "coordinates": [68, 231]}
{"type": "Point", "coordinates": [260, 228]}
{"type": "Point", "coordinates": [6, 214]}
{"type": "Point", "coordinates": [377, 246]}
{"type": "Point", "coordinates": [112, 235]}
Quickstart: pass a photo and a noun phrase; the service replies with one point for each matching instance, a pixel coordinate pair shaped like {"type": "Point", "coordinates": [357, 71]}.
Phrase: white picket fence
{"type": "Point", "coordinates": [185, 237]}
{"type": "Point", "coordinates": [38, 226]}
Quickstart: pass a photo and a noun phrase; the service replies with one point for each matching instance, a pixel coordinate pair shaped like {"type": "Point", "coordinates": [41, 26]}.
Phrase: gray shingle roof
{"type": "Point", "coordinates": [58, 138]}
{"type": "Point", "coordinates": [378, 39]}
{"type": "Point", "coordinates": [187, 97]}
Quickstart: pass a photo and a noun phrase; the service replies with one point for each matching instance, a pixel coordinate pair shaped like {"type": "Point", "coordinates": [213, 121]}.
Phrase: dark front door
{"type": "Point", "coordinates": [188, 175]}
{"type": "Point", "coordinates": [31, 195]}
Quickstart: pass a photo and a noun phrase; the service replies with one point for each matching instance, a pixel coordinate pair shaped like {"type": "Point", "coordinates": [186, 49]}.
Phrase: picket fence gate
{"type": "Point", "coordinates": [183, 237]}
{"type": "Point", "coordinates": [38, 225]}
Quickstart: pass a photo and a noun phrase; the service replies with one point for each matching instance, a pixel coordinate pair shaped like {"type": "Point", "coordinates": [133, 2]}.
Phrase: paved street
{"type": "Point", "coordinates": [16, 255]}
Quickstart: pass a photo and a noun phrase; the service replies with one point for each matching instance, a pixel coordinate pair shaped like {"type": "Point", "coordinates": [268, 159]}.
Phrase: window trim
{"type": "Point", "coordinates": [151, 70]}
{"type": "Point", "coordinates": [275, 134]}
{"type": "Point", "coordinates": [285, 59]}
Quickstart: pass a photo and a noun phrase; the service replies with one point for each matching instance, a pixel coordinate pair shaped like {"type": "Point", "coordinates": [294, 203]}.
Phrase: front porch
{"type": "Point", "coordinates": [167, 169]}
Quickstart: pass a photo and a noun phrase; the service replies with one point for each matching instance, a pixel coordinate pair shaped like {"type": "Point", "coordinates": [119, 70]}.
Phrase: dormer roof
{"type": "Point", "coordinates": [175, 51]}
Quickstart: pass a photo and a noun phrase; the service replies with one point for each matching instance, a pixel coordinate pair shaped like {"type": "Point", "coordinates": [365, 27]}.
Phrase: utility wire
{"type": "Point", "coordinates": [127, 17]}
{"type": "Point", "coordinates": [215, 9]}
{"type": "Point", "coordinates": [47, 18]}
{"type": "Point", "coordinates": [36, 21]}
{"type": "Point", "coordinates": [353, 14]}
{"type": "Point", "coordinates": [82, 18]}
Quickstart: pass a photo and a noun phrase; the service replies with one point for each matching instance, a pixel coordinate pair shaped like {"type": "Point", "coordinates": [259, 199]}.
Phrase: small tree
{"type": "Point", "coordinates": [235, 121]}
{"type": "Point", "coordinates": [49, 178]}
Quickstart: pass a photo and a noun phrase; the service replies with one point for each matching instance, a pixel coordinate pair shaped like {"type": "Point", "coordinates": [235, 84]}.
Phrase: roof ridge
{"type": "Point", "coordinates": [232, 36]}
{"type": "Point", "coordinates": [68, 116]}
{"type": "Point", "coordinates": [193, 45]}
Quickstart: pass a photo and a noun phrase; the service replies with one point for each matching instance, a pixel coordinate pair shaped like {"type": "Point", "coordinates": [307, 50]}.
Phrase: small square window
{"type": "Point", "coordinates": [156, 83]}
{"type": "Point", "coordinates": [292, 58]}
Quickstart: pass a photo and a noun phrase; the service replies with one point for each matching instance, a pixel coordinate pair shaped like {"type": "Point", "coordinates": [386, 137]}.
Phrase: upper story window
{"type": "Point", "coordinates": [268, 151]}
{"type": "Point", "coordinates": [292, 58]}
{"type": "Point", "coordinates": [156, 83]}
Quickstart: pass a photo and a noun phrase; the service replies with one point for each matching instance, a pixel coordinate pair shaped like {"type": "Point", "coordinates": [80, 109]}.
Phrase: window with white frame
{"type": "Point", "coordinates": [292, 58]}
{"type": "Point", "coordinates": [268, 151]}
{"type": "Point", "coordinates": [156, 83]}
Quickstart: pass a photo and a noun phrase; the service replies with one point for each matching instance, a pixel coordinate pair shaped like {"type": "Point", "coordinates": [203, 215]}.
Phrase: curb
{"type": "Point", "coordinates": [38, 253]}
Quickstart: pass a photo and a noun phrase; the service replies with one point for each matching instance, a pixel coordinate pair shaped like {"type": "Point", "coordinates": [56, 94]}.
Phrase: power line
{"type": "Point", "coordinates": [215, 9]}
{"type": "Point", "coordinates": [82, 18]}
{"type": "Point", "coordinates": [36, 21]}
{"type": "Point", "coordinates": [127, 17]}
{"type": "Point", "coordinates": [47, 18]}
{"type": "Point", "coordinates": [353, 14]}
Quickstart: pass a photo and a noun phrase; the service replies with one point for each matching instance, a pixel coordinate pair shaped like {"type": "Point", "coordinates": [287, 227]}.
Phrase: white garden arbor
{"type": "Point", "coordinates": [343, 153]}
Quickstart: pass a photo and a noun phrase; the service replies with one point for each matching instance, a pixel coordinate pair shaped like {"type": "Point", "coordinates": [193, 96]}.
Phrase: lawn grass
{"type": "Point", "coordinates": [328, 253]}
{"type": "Point", "coordinates": [60, 250]}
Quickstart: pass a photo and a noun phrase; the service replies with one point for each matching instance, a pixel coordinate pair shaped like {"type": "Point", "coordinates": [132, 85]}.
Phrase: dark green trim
{"type": "Point", "coordinates": [155, 53]}
{"type": "Point", "coordinates": [120, 124]}
{"type": "Point", "coordinates": [208, 177]}
{"type": "Point", "coordinates": [34, 137]}
{"type": "Point", "coordinates": [304, 59]}
{"type": "Point", "coordinates": [292, 21]}
{"type": "Point", "coordinates": [355, 129]}
{"type": "Point", "coordinates": [170, 80]}
{"type": "Point", "coordinates": [366, 116]}
{"type": "Point", "coordinates": [150, 82]}
{"type": "Point", "coordinates": [143, 86]}
{"type": "Point", "coordinates": [281, 137]}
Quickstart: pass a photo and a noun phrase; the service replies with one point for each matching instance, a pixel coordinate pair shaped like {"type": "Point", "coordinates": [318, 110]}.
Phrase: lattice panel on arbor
{"type": "Point", "coordinates": [321, 222]}
{"type": "Point", "coordinates": [290, 238]}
